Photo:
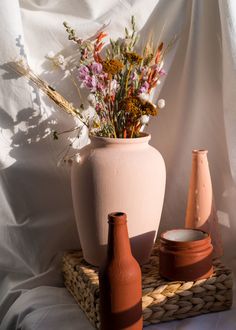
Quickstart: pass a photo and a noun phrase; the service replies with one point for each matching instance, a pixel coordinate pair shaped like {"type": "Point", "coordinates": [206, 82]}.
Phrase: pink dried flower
{"type": "Point", "coordinates": [100, 87]}
{"type": "Point", "coordinates": [133, 76]}
{"type": "Point", "coordinates": [144, 87]}
{"type": "Point", "coordinates": [158, 69]}
{"type": "Point", "coordinates": [96, 68]}
{"type": "Point", "coordinates": [98, 107]}
{"type": "Point", "coordinates": [83, 72]}
{"type": "Point", "coordinates": [162, 72]}
{"type": "Point", "coordinates": [91, 83]}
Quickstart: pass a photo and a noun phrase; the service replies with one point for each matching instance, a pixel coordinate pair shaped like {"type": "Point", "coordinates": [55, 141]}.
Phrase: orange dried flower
{"type": "Point", "coordinates": [132, 105]}
{"type": "Point", "coordinates": [101, 36]}
{"type": "Point", "coordinates": [112, 66]}
{"type": "Point", "coordinates": [99, 46]}
{"type": "Point", "coordinates": [137, 107]}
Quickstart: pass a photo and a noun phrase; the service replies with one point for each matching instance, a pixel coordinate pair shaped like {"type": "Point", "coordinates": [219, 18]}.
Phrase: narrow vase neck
{"type": "Point", "coordinates": [199, 154]}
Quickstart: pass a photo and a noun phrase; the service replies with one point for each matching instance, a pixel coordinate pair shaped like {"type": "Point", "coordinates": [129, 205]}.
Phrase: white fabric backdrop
{"type": "Point", "coordinates": [37, 222]}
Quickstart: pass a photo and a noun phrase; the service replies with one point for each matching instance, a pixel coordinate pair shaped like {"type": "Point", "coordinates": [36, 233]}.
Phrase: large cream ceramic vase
{"type": "Point", "coordinates": [113, 175]}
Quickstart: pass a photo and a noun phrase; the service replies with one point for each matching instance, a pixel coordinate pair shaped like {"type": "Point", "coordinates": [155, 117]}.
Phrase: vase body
{"type": "Point", "coordinates": [118, 174]}
{"type": "Point", "coordinates": [201, 211]}
{"type": "Point", "coordinates": [120, 281]}
{"type": "Point", "coordinates": [185, 255]}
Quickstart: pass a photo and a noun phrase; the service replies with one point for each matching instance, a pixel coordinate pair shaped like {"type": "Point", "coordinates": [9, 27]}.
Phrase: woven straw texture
{"type": "Point", "coordinates": [162, 300]}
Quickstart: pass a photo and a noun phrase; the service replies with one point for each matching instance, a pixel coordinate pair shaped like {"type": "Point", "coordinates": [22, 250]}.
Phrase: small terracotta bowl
{"type": "Point", "coordinates": [185, 255]}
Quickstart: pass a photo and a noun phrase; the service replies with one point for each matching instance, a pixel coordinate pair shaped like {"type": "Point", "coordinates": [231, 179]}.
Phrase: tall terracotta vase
{"type": "Point", "coordinates": [125, 174]}
{"type": "Point", "coordinates": [201, 211]}
{"type": "Point", "coordinates": [120, 281]}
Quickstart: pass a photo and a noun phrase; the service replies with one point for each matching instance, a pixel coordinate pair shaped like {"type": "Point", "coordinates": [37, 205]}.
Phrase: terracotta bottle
{"type": "Point", "coordinates": [201, 211]}
{"type": "Point", "coordinates": [120, 281]}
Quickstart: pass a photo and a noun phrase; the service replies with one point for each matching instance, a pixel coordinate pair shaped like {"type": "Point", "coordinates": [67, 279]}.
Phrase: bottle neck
{"type": "Point", "coordinates": [118, 239]}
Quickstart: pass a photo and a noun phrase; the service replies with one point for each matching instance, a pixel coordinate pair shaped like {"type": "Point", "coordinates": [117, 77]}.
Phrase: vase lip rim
{"type": "Point", "coordinates": [199, 151]}
{"type": "Point", "coordinates": [205, 236]}
{"type": "Point", "coordinates": [144, 137]}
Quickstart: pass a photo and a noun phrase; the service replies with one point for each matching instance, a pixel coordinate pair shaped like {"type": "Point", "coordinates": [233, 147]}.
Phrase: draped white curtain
{"type": "Point", "coordinates": [37, 222]}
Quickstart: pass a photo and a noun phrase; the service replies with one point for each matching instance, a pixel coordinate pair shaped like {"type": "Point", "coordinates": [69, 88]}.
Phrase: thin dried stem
{"type": "Point", "coordinates": [57, 98]}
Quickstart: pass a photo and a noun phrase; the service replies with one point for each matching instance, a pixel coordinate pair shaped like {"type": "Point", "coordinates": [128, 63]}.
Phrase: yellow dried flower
{"type": "Point", "coordinates": [112, 66]}
{"type": "Point", "coordinates": [149, 108]}
{"type": "Point", "coordinates": [133, 58]}
{"type": "Point", "coordinates": [132, 105]}
{"type": "Point", "coordinates": [137, 107]}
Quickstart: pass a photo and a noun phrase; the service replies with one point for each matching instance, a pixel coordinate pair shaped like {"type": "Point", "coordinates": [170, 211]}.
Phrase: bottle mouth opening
{"type": "Point", "coordinates": [118, 214]}
{"type": "Point", "coordinates": [117, 217]}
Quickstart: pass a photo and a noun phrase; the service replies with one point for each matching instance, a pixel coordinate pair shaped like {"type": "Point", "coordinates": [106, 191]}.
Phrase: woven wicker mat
{"type": "Point", "coordinates": [162, 300]}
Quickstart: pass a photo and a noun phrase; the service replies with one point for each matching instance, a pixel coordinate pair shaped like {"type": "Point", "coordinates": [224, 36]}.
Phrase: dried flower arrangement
{"type": "Point", "coordinates": [118, 79]}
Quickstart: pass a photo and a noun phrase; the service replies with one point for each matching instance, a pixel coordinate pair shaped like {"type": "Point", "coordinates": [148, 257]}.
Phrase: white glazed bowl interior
{"type": "Point", "coordinates": [184, 235]}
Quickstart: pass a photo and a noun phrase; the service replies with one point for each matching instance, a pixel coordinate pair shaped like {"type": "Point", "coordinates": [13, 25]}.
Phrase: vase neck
{"type": "Point", "coordinates": [141, 141]}
{"type": "Point", "coordinates": [118, 239]}
{"type": "Point", "coordinates": [197, 154]}
{"type": "Point", "coordinates": [199, 157]}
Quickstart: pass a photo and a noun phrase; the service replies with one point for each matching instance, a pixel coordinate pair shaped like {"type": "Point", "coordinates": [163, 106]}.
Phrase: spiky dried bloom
{"type": "Point", "coordinates": [112, 66]}
{"type": "Point", "coordinates": [138, 107]}
{"type": "Point", "coordinates": [132, 105]}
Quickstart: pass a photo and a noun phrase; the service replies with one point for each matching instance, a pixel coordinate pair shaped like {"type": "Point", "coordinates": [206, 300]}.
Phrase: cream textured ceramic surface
{"type": "Point", "coordinates": [125, 175]}
{"type": "Point", "coordinates": [201, 211]}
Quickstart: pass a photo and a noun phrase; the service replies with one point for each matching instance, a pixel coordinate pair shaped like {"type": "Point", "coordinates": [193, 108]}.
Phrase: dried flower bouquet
{"type": "Point", "coordinates": [119, 81]}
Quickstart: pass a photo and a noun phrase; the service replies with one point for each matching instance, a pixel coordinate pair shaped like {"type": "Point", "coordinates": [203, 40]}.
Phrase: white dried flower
{"type": "Point", "coordinates": [158, 82]}
{"type": "Point", "coordinates": [60, 59]}
{"type": "Point", "coordinates": [144, 120]}
{"type": "Point", "coordinates": [161, 103]}
{"type": "Point", "coordinates": [50, 55]}
{"type": "Point", "coordinates": [91, 99]}
{"type": "Point", "coordinates": [144, 96]}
